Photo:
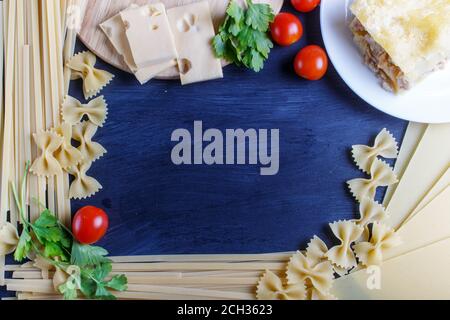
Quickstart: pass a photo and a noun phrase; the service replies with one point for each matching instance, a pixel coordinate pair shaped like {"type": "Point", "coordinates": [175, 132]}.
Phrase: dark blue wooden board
{"type": "Point", "coordinates": [156, 207]}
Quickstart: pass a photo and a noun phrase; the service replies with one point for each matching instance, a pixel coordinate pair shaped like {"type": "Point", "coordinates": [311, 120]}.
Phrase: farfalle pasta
{"type": "Point", "coordinates": [385, 146]}
{"type": "Point", "coordinates": [9, 238]}
{"type": "Point", "coordinates": [82, 66]}
{"type": "Point", "coordinates": [382, 175]}
{"type": "Point", "coordinates": [96, 110]}
{"type": "Point", "coordinates": [67, 155]}
{"type": "Point", "coordinates": [43, 265]}
{"type": "Point", "coordinates": [370, 211]}
{"type": "Point", "coordinates": [83, 186]}
{"type": "Point", "coordinates": [316, 253]}
{"type": "Point", "coordinates": [383, 238]}
{"type": "Point", "coordinates": [59, 278]}
{"type": "Point", "coordinates": [300, 270]}
{"type": "Point", "coordinates": [271, 287]}
{"type": "Point", "coordinates": [347, 232]}
{"type": "Point", "coordinates": [46, 165]}
{"type": "Point", "coordinates": [90, 150]}
{"type": "Point", "coordinates": [316, 250]}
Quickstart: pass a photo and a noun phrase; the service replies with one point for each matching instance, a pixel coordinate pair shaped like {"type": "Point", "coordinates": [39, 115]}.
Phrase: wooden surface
{"type": "Point", "coordinates": [156, 207]}
{"type": "Point", "coordinates": [98, 11]}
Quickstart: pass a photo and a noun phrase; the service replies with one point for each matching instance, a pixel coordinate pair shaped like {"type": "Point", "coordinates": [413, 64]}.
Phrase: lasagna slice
{"type": "Point", "coordinates": [402, 41]}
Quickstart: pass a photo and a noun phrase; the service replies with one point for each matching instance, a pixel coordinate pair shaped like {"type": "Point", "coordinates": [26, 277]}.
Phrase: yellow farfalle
{"type": "Point", "coordinates": [385, 146]}
{"type": "Point", "coordinates": [9, 238]}
{"type": "Point", "coordinates": [83, 186]}
{"type": "Point", "coordinates": [300, 270]}
{"type": "Point", "coordinates": [82, 66]}
{"type": "Point", "coordinates": [271, 287]}
{"type": "Point", "coordinates": [46, 165]}
{"type": "Point", "coordinates": [347, 232]}
{"type": "Point", "coordinates": [382, 175]}
{"type": "Point", "coordinates": [316, 253]}
{"type": "Point", "coordinates": [383, 238]}
{"type": "Point", "coordinates": [90, 150]}
{"type": "Point", "coordinates": [73, 111]}
{"type": "Point", "coordinates": [67, 155]}
{"type": "Point", "coordinates": [370, 211]}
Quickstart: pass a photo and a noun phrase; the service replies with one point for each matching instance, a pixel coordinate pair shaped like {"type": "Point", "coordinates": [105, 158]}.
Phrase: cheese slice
{"type": "Point", "coordinates": [149, 35]}
{"type": "Point", "coordinates": [430, 225]}
{"type": "Point", "coordinates": [193, 32]}
{"type": "Point", "coordinates": [115, 32]}
{"type": "Point", "coordinates": [145, 74]}
{"type": "Point", "coordinates": [411, 140]}
{"type": "Point", "coordinates": [421, 274]}
{"type": "Point", "coordinates": [429, 162]}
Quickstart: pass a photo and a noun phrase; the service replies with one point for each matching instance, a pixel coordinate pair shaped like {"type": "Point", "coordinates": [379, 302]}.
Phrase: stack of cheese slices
{"type": "Point", "coordinates": [151, 40]}
{"type": "Point", "coordinates": [419, 209]}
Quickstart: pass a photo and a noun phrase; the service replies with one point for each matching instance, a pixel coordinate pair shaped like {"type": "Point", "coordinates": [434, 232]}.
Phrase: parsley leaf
{"type": "Point", "coordinates": [23, 247]}
{"type": "Point", "coordinates": [102, 271]}
{"type": "Point", "coordinates": [118, 283]}
{"type": "Point", "coordinates": [46, 220]}
{"type": "Point", "coordinates": [259, 16]}
{"type": "Point", "coordinates": [102, 293]}
{"type": "Point", "coordinates": [88, 287]}
{"type": "Point", "coordinates": [235, 11]}
{"type": "Point", "coordinates": [68, 291]}
{"type": "Point", "coordinates": [83, 255]}
{"type": "Point", "coordinates": [242, 38]}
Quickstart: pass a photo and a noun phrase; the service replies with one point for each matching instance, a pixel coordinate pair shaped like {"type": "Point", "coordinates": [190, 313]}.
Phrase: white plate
{"type": "Point", "coordinates": [427, 102]}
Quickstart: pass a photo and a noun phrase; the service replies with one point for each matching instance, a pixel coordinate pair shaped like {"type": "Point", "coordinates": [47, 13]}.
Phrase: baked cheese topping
{"type": "Point", "coordinates": [415, 33]}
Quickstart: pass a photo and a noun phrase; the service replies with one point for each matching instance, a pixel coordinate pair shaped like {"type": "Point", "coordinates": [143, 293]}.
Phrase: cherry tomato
{"type": "Point", "coordinates": [305, 5]}
{"type": "Point", "coordinates": [311, 63]}
{"type": "Point", "coordinates": [286, 29]}
{"type": "Point", "coordinates": [89, 225]}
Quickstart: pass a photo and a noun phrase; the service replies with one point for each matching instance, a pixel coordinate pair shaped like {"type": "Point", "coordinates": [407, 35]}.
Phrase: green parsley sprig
{"type": "Point", "coordinates": [87, 267]}
{"type": "Point", "coordinates": [242, 38]}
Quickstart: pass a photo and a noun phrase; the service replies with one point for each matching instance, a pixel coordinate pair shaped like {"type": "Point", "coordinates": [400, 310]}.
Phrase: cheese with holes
{"type": "Point", "coordinates": [149, 35]}
{"type": "Point", "coordinates": [114, 29]}
{"type": "Point", "coordinates": [193, 31]}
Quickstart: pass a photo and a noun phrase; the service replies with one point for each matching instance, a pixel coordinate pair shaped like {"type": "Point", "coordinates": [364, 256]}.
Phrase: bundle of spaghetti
{"type": "Point", "coordinates": [74, 18]}
{"type": "Point", "coordinates": [37, 184]}
{"type": "Point", "coordinates": [7, 154]}
{"type": "Point", "coordinates": [167, 277]}
{"type": "Point", "coordinates": [36, 44]}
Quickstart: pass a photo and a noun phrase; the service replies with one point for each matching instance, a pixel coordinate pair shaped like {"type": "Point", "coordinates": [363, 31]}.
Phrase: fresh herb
{"type": "Point", "coordinates": [242, 38]}
{"type": "Point", "coordinates": [87, 267]}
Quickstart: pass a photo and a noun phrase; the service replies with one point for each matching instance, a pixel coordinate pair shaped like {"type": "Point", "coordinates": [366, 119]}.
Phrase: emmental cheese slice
{"type": "Point", "coordinates": [193, 31]}
{"type": "Point", "coordinates": [149, 35]}
{"type": "Point", "coordinates": [421, 274]}
{"type": "Point", "coordinates": [114, 29]}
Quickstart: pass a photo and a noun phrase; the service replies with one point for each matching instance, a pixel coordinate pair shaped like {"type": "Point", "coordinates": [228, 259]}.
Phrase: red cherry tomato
{"type": "Point", "coordinates": [286, 29]}
{"type": "Point", "coordinates": [89, 225]}
{"type": "Point", "coordinates": [311, 63]}
{"type": "Point", "coordinates": [305, 5]}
